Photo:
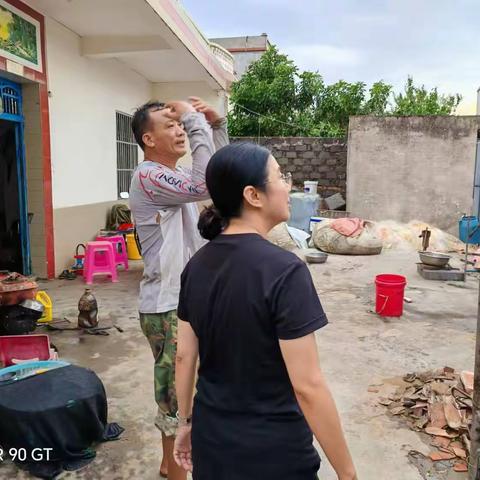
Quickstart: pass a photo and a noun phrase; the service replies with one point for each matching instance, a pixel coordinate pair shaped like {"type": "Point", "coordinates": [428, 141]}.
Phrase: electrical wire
{"type": "Point", "coordinates": [261, 115]}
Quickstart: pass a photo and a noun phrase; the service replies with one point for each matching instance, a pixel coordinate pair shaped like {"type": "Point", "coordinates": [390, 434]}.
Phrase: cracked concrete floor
{"type": "Point", "coordinates": [357, 349]}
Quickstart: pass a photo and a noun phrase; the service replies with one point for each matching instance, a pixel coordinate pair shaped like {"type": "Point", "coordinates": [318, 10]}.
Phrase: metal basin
{"type": "Point", "coordinates": [34, 307]}
{"type": "Point", "coordinates": [434, 259]}
{"type": "Point", "coordinates": [316, 257]}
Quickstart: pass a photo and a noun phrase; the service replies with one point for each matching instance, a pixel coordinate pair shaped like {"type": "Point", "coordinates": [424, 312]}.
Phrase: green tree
{"type": "Point", "coordinates": [288, 101]}
{"type": "Point", "coordinates": [419, 101]}
{"type": "Point", "coordinates": [268, 87]}
{"type": "Point", "coordinates": [274, 99]}
{"type": "Point", "coordinates": [338, 101]}
{"type": "Point", "coordinates": [379, 96]}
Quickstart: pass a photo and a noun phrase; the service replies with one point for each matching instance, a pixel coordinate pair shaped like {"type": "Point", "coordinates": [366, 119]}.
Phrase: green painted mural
{"type": "Point", "coordinates": [18, 36]}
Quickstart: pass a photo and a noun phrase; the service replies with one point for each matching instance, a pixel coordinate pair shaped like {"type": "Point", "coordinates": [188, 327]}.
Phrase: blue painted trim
{"type": "Point", "coordinates": [15, 97]}
{"type": "Point", "coordinates": [23, 200]}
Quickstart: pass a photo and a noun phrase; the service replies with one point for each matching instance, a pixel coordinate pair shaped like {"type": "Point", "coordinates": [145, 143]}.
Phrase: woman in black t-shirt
{"type": "Point", "coordinates": [249, 310]}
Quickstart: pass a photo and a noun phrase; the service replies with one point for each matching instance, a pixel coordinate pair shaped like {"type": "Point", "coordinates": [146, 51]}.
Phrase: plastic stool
{"type": "Point", "coordinates": [99, 260]}
{"type": "Point", "coordinates": [119, 249]}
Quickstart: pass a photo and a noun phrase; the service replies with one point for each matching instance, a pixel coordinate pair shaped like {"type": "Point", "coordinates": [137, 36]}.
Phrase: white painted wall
{"type": "Point", "coordinates": [85, 94]}
{"type": "Point", "coordinates": [183, 90]}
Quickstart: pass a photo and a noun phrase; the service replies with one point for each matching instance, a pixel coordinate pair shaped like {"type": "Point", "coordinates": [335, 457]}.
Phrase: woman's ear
{"type": "Point", "coordinates": [251, 196]}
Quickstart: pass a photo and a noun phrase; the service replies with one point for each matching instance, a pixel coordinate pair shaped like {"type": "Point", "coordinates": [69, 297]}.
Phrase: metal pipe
{"type": "Point", "coordinates": [466, 250]}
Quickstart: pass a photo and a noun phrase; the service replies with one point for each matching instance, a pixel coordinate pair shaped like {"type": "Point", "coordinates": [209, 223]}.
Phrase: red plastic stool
{"type": "Point", "coordinates": [119, 249]}
{"type": "Point", "coordinates": [99, 260]}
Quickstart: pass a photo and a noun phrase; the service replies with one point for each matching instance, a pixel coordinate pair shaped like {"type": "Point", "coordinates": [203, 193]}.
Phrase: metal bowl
{"type": "Point", "coordinates": [434, 259]}
{"type": "Point", "coordinates": [34, 306]}
{"type": "Point", "coordinates": [316, 257]}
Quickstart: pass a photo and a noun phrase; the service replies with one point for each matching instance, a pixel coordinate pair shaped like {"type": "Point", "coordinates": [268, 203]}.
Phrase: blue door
{"type": "Point", "coordinates": [14, 231]}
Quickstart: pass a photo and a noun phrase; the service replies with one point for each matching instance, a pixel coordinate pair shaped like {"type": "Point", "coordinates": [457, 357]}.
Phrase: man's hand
{"type": "Point", "coordinates": [178, 108]}
{"type": "Point", "coordinates": [210, 113]}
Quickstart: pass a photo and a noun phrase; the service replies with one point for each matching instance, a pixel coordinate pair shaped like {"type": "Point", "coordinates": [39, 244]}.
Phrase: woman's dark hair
{"type": "Point", "coordinates": [229, 171]}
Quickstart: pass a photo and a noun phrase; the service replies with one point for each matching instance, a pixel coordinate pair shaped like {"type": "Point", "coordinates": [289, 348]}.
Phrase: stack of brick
{"type": "Point", "coordinates": [310, 158]}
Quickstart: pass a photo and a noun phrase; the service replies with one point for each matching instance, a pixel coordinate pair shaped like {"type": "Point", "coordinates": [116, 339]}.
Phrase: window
{"type": "Point", "coordinates": [127, 152]}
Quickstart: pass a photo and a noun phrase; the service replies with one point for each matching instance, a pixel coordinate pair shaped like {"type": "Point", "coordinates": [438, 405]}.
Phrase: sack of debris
{"type": "Point", "coordinates": [329, 240]}
{"type": "Point", "coordinates": [406, 236]}
{"type": "Point", "coordinates": [279, 236]}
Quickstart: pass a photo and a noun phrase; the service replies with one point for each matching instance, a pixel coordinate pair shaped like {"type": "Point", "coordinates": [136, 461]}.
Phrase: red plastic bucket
{"type": "Point", "coordinates": [390, 292]}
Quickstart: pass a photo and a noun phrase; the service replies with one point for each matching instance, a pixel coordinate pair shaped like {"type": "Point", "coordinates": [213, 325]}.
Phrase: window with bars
{"type": "Point", "coordinates": [127, 152]}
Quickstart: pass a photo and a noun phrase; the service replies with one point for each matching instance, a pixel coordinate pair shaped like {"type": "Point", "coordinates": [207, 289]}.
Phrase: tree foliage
{"type": "Point", "coordinates": [419, 101]}
{"type": "Point", "coordinates": [294, 103]}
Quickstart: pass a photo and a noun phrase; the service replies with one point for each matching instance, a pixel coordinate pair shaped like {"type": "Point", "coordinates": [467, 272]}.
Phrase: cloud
{"type": "Point", "coordinates": [318, 56]}
{"type": "Point", "coordinates": [433, 40]}
{"type": "Point", "coordinates": [373, 19]}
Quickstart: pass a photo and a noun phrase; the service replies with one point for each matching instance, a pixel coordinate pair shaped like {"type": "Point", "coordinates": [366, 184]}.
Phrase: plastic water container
{"type": "Point", "coordinates": [46, 301]}
{"type": "Point", "coordinates": [303, 206]}
{"type": "Point", "coordinates": [132, 250]}
{"type": "Point", "coordinates": [469, 229]}
{"type": "Point", "coordinates": [390, 291]}
{"type": "Point", "coordinates": [314, 221]}
{"type": "Point", "coordinates": [310, 187]}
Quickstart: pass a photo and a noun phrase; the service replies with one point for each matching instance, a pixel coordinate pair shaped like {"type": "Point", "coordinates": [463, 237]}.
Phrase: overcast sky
{"type": "Point", "coordinates": [436, 41]}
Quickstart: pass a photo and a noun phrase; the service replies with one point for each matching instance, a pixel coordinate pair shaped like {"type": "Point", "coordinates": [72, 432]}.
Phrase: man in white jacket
{"type": "Point", "coordinates": [163, 200]}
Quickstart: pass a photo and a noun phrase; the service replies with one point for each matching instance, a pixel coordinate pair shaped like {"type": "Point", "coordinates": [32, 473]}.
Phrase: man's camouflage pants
{"type": "Point", "coordinates": [161, 332]}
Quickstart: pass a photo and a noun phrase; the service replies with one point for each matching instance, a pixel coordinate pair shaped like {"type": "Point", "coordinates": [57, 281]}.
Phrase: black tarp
{"type": "Point", "coordinates": [63, 409]}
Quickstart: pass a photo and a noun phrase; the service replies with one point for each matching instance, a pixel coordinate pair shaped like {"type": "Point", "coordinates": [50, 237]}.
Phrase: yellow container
{"type": "Point", "coordinates": [44, 299]}
{"type": "Point", "coordinates": [132, 250]}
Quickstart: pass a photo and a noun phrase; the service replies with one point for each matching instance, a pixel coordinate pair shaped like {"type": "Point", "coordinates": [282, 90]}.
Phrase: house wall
{"type": "Point", "coordinates": [243, 60]}
{"type": "Point", "coordinates": [412, 168]}
{"type": "Point", "coordinates": [182, 90]}
{"type": "Point", "coordinates": [34, 169]}
{"type": "Point", "coordinates": [245, 50]}
{"type": "Point", "coordinates": [84, 96]}
{"type": "Point", "coordinates": [37, 145]}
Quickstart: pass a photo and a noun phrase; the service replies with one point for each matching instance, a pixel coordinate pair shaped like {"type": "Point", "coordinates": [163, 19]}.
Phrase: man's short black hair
{"type": "Point", "coordinates": [141, 119]}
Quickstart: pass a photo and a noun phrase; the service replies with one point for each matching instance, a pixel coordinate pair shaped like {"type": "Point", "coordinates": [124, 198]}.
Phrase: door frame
{"type": "Point", "coordinates": [12, 110]}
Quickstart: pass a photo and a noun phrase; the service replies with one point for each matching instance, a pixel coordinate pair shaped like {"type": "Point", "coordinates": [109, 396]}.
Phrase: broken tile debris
{"type": "Point", "coordinates": [437, 456]}
{"type": "Point", "coordinates": [438, 403]}
{"type": "Point", "coordinates": [467, 380]}
{"type": "Point", "coordinates": [460, 467]}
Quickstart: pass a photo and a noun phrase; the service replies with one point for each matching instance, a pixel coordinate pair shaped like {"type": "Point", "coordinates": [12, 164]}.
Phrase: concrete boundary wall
{"type": "Point", "coordinates": [412, 168]}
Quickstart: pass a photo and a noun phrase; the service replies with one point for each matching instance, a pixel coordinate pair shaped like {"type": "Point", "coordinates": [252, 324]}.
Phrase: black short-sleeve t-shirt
{"type": "Point", "coordinates": [241, 294]}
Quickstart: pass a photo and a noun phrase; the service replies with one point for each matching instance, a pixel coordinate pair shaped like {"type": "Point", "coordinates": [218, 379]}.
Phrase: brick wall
{"type": "Point", "coordinates": [310, 158]}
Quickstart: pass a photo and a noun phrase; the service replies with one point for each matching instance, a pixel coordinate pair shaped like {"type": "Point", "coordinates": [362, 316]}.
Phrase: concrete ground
{"type": "Point", "coordinates": [357, 349]}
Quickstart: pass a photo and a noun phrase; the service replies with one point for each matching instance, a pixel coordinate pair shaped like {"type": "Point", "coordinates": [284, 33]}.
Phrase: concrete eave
{"type": "Point", "coordinates": [186, 32]}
